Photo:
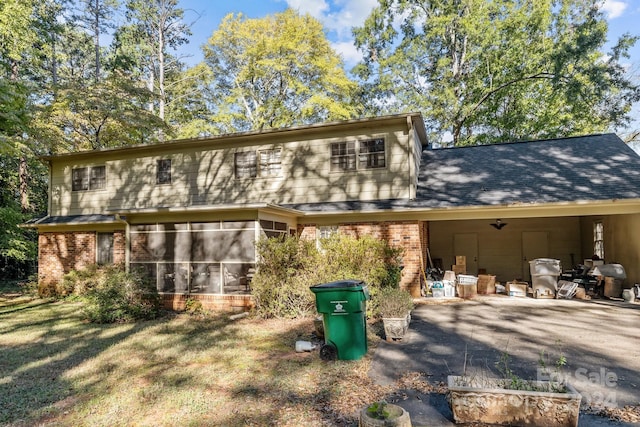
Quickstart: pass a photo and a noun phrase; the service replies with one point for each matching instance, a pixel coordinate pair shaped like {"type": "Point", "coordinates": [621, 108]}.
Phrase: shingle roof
{"type": "Point", "coordinates": [585, 168]}
{"type": "Point", "coordinates": [71, 219]}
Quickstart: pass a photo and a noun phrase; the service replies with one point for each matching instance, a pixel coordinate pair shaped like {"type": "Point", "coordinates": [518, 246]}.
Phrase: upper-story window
{"type": "Point", "coordinates": [264, 163]}
{"type": "Point", "coordinates": [245, 164]}
{"type": "Point", "coordinates": [371, 154]}
{"type": "Point", "coordinates": [343, 156]}
{"type": "Point", "coordinates": [89, 178]}
{"type": "Point", "coordinates": [270, 162]}
{"type": "Point", "coordinates": [367, 154]}
{"type": "Point", "coordinates": [163, 171]}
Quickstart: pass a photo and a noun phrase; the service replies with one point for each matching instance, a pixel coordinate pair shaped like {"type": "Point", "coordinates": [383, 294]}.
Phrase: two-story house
{"type": "Point", "coordinates": [189, 212]}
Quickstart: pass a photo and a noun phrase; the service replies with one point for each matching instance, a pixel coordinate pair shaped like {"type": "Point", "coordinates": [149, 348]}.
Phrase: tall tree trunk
{"type": "Point", "coordinates": [24, 181]}
{"type": "Point", "coordinates": [161, 65]}
{"type": "Point", "coordinates": [151, 84]}
{"type": "Point", "coordinates": [97, 40]}
{"type": "Point", "coordinates": [54, 61]}
{"type": "Point", "coordinates": [22, 167]}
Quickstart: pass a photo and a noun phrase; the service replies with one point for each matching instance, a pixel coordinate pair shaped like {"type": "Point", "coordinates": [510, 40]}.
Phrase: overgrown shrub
{"type": "Point", "coordinates": [392, 302]}
{"type": "Point", "coordinates": [365, 258]}
{"type": "Point", "coordinates": [288, 266]}
{"type": "Point", "coordinates": [76, 282]}
{"type": "Point", "coordinates": [111, 294]}
{"type": "Point", "coordinates": [121, 297]}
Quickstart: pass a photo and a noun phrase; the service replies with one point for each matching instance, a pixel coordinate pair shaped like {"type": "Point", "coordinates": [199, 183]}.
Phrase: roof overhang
{"type": "Point", "coordinates": [261, 207]}
{"type": "Point", "coordinates": [72, 220]}
{"type": "Point", "coordinates": [537, 210]}
{"type": "Point", "coordinates": [413, 120]}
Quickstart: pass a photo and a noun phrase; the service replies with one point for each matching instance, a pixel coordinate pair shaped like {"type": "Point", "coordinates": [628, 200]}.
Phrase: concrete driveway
{"type": "Point", "coordinates": [599, 338]}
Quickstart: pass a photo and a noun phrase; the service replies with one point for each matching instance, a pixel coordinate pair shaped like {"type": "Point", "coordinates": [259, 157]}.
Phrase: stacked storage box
{"type": "Point", "coordinates": [460, 267]}
{"type": "Point", "coordinates": [544, 277]}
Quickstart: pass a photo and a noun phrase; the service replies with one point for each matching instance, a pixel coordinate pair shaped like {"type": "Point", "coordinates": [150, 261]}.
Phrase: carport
{"type": "Point", "coordinates": [503, 205]}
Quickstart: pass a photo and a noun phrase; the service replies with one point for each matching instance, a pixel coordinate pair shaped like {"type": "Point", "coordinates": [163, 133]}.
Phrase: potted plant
{"type": "Point", "coordinates": [512, 400]}
{"type": "Point", "coordinates": [383, 414]}
{"type": "Point", "coordinates": [394, 305]}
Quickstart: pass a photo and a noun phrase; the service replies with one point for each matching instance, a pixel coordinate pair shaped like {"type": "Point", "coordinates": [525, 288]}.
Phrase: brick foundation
{"type": "Point", "coordinates": [209, 302]}
{"type": "Point", "coordinates": [411, 236]}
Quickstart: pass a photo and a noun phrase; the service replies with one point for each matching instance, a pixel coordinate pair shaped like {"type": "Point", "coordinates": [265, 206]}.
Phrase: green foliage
{"type": "Point", "coordinates": [487, 71]}
{"type": "Point", "coordinates": [285, 271]}
{"type": "Point", "coordinates": [102, 115]}
{"type": "Point", "coordinates": [16, 31]}
{"type": "Point", "coordinates": [378, 410]}
{"type": "Point", "coordinates": [287, 267]}
{"type": "Point", "coordinates": [193, 306]}
{"type": "Point", "coordinates": [392, 302]}
{"type": "Point", "coordinates": [276, 71]}
{"type": "Point", "coordinates": [109, 293]}
{"type": "Point", "coordinates": [512, 381]}
{"type": "Point", "coordinates": [121, 297]}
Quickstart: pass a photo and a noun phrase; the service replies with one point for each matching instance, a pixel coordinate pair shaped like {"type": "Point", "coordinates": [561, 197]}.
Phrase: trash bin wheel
{"type": "Point", "coordinates": [328, 352]}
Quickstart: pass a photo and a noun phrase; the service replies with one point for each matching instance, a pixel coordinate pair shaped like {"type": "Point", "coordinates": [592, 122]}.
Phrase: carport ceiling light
{"type": "Point", "coordinates": [498, 224]}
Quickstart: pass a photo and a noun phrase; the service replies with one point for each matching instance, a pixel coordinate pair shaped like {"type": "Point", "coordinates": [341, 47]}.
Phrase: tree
{"type": "Point", "coordinates": [276, 71]}
{"type": "Point", "coordinates": [16, 34]}
{"type": "Point", "coordinates": [485, 71]}
{"type": "Point", "coordinates": [95, 116]}
{"type": "Point", "coordinates": [96, 16]}
{"type": "Point", "coordinates": [161, 26]}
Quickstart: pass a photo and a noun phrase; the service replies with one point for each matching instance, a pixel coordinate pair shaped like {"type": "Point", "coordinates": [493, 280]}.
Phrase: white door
{"type": "Point", "coordinates": [467, 244]}
{"type": "Point", "coordinates": [535, 244]}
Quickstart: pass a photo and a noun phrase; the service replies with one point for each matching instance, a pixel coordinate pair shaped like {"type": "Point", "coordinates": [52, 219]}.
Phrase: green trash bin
{"type": "Point", "coordinates": [343, 305]}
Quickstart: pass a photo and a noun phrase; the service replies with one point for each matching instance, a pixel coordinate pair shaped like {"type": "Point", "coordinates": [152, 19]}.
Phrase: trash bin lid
{"type": "Point", "coordinates": [339, 284]}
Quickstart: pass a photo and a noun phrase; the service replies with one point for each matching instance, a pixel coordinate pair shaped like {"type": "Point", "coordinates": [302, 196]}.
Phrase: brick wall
{"type": "Point", "coordinates": [119, 247]}
{"type": "Point", "coordinates": [59, 253]}
{"type": "Point", "coordinates": [408, 235]}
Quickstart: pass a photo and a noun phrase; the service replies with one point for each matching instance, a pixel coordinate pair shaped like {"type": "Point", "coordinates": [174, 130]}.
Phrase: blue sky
{"type": "Point", "coordinates": [339, 16]}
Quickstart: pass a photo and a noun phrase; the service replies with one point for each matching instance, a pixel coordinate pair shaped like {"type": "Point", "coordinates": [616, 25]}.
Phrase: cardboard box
{"type": "Point", "coordinates": [517, 289]}
{"type": "Point", "coordinates": [612, 287]}
{"type": "Point", "coordinates": [486, 284]}
{"type": "Point", "coordinates": [461, 260]}
{"type": "Point", "coordinates": [581, 293]}
{"type": "Point", "coordinates": [459, 269]}
{"type": "Point", "coordinates": [467, 290]}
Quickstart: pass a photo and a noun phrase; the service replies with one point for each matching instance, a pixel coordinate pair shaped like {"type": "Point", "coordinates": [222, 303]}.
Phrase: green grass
{"type": "Point", "coordinates": [179, 370]}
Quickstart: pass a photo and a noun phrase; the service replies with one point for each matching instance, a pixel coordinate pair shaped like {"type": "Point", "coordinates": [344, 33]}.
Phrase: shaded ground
{"type": "Point", "coordinates": [600, 340]}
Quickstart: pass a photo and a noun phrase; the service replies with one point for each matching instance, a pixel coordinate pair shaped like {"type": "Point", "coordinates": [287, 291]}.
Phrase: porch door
{"type": "Point", "coordinates": [535, 244]}
{"type": "Point", "coordinates": [467, 244]}
{"type": "Point", "coordinates": [104, 252]}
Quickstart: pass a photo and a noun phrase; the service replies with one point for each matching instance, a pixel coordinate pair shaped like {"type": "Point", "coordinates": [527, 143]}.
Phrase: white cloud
{"type": "Point", "coordinates": [315, 8]}
{"type": "Point", "coordinates": [347, 14]}
{"type": "Point", "coordinates": [349, 53]}
{"type": "Point", "coordinates": [337, 16]}
{"type": "Point", "coordinates": [614, 8]}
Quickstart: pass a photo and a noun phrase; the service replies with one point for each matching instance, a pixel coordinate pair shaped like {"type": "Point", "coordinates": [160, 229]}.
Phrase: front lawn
{"type": "Point", "coordinates": [181, 369]}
